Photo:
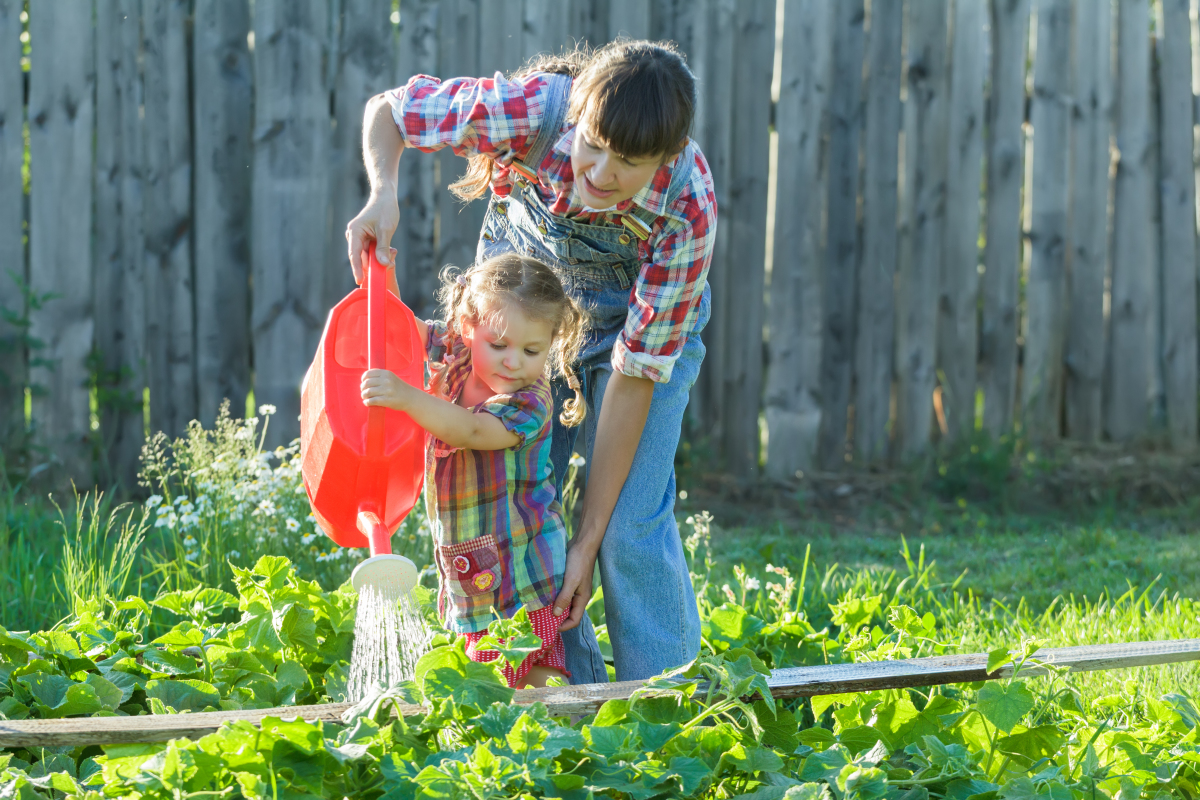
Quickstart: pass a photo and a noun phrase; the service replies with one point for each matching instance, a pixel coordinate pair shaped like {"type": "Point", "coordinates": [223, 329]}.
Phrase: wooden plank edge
{"type": "Point", "coordinates": [785, 683]}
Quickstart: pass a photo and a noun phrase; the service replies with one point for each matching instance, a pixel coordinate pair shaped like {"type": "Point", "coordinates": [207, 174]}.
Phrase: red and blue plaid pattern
{"type": "Point", "coordinates": [499, 118]}
{"type": "Point", "coordinates": [497, 525]}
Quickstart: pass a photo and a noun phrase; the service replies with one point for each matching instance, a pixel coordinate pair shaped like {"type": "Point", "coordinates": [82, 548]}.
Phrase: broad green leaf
{"type": "Point", "coordinates": [997, 658]}
{"type": "Point", "coordinates": [691, 772]}
{"type": "Point", "coordinates": [184, 695]}
{"type": "Point", "coordinates": [164, 662]}
{"type": "Point", "coordinates": [109, 694]}
{"type": "Point", "coordinates": [780, 730]}
{"type": "Point", "coordinates": [296, 626]}
{"type": "Point", "coordinates": [1044, 741]}
{"type": "Point", "coordinates": [729, 625]}
{"type": "Point", "coordinates": [854, 612]}
{"type": "Point", "coordinates": [755, 759]}
{"type": "Point", "coordinates": [1005, 705]}
{"type": "Point", "coordinates": [185, 634]}
{"type": "Point", "coordinates": [866, 783]}
{"type": "Point", "coordinates": [613, 712]}
{"type": "Point", "coordinates": [822, 702]}
{"type": "Point", "coordinates": [526, 735]}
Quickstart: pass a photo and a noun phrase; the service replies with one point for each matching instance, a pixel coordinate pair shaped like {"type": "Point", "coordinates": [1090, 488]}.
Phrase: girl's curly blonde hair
{"type": "Point", "coordinates": [477, 296]}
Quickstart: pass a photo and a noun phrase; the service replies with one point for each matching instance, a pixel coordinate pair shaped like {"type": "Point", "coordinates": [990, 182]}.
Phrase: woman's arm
{"type": "Point", "coordinates": [382, 146]}
{"type": "Point", "coordinates": [619, 430]}
{"type": "Point", "coordinates": [453, 424]}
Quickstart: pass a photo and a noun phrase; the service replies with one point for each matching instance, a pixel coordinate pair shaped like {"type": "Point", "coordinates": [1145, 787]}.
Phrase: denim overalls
{"type": "Point", "coordinates": [649, 603]}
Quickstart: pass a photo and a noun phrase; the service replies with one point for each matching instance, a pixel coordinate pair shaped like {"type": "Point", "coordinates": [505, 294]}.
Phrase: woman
{"type": "Point", "coordinates": [590, 169]}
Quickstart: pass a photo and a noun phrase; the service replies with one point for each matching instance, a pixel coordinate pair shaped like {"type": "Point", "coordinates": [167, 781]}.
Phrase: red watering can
{"type": "Point", "coordinates": [363, 467]}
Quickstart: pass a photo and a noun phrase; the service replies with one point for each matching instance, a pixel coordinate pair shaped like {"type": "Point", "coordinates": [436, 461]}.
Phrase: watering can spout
{"type": "Point", "coordinates": [383, 570]}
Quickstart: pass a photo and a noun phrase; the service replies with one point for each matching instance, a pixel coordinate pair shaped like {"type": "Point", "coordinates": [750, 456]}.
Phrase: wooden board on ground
{"type": "Point", "coordinates": [586, 699]}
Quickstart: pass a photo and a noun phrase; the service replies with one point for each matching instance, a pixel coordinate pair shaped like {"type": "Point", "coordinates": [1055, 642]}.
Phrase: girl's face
{"type": "Point", "coordinates": [604, 177]}
{"type": "Point", "coordinates": [509, 353]}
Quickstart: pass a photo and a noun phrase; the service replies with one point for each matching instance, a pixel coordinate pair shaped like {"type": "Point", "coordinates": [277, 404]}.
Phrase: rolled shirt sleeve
{"type": "Point", "coordinates": [665, 301]}
{"type": "Point", "coordinates": [494, 116]}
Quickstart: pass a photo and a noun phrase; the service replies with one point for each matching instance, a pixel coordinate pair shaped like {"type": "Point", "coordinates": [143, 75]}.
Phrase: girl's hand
{"type": "Point", "coordinates": [383, 388]}
{"type": "Point", "coordinates": [577, 586]}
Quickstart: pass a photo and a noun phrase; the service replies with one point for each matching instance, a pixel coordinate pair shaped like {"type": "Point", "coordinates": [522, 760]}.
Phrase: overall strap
{"type": "Point", "coordinates": [558, 92]}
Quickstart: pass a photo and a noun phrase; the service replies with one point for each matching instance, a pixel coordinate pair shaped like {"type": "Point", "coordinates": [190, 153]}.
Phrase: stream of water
{"type": "Point", "coordinates": [389, 637]}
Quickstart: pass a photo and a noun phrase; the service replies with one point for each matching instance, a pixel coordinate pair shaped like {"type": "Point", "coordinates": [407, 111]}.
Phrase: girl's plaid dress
{"type": "Point", "coordinates": [497, 524]}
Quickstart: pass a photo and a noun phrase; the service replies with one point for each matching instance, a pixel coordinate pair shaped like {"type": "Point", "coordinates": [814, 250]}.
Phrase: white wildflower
{"type": "Point", "coordinates": [307, 538]}
{"type": "Point", "coordinates": [234, 554]}
{"type": "Point", "coordinates": [753, 584]}
{"type": "Point", "coordinates": [577, 460]}
{"type": "Point", "coordinates": [189, 541]}
{"type": "Point", "coordinates": [153, 500]}
{"type": "Point", "coordinates": [192, 556]}
{"type": "Point", "coordinates": [244, 433]}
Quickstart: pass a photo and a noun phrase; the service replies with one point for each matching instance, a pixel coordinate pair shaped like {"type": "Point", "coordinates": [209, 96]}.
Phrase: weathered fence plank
{"type": "Point", "coordinates": [629, 18]}
{"type": "Point", "coordinates": [500, 49]}
{"type": "Point", "coordinates": [841, 238]}
{"type": "Point", "coordinates": [12, 215]}
{"type": "Point", "coordinates": [458, 54]}
{"type": "Point", "coordinates": [1129, 354]}
{"type": "Point", "coordinates": [1178, 229]}
{"type": "Point", "coordinates": [1045, 290]}
{"type": "Point", "coordinates": [170, 330]}
{"type": "Point", "coordinates": [1005, 174]}
{"type": "Point", "coordinates": [364, 68]}
{"type": "Point", "coordinates": [1091, 129]}
{"type": "Point", "coordinates": [873, 353]}
{"type": "Point", "coordinates": [546, 26]}
{"type": "Point", "coordinates": [120, 343]}
{"type": "Point", "coordinates": [582, 699]}
{"type": "Point", "coordinates": [713, 55]}
{"type": "Point", "coordinates": [958, 314]}
{"type": "Point", "coordinates": [415, 268]}
{"type": "Point", "coordinates": [61, 127]}
{"type": "Point", "coordinates": [745, 221]}
{"type": "Point", "coordinates": [793, 399]}
{"type": "Point", "coordinates": [925, 141]}
{"type": "Point", "coordinates": [222, 113]}
{"type": "Point", "coordinates": [290, 200]}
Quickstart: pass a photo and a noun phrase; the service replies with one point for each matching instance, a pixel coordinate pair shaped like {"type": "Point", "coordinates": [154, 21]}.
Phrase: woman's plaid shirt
{"type": "Point", "coordinates": [497, 524]}
{"type": "Point", "coordinates": [499, 118]}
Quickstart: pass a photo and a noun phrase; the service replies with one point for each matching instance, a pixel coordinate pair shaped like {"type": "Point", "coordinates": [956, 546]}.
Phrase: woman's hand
{"type": "Point", "coordinates": [577, 585]}
{"type": "Point", "coordinates": [383, 388]}
{"type": "Point", "coordinates": [375, 223]}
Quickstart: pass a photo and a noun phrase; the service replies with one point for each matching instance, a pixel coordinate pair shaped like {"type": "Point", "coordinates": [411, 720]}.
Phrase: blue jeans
{"type": "Point", "coordinates": [649, 604]}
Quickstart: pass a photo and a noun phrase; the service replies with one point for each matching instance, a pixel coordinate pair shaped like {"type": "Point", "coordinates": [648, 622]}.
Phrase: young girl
{"type": "Point", "coordinates": [590, 169]}
{"type": "Point", "coordinates": [489, 488]}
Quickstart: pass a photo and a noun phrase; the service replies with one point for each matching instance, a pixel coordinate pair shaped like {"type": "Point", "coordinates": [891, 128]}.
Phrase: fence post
{"type": "Point", "coordinates": [12, 214]}
{"type": "Point", "coordinates": [713, 55]}
{"type": "Point", "coordinates": [363, 69]}
{"type": "Point", "coordinates": [959, 306]}
{"type": "Point", "coordinates": [1178, 192]}
{"type": "Point", "coordinates": [793, 399]}
{"type": "Point", "coordinates": [119, 279]}
{"type": "Point", "coordinates": [170, 333]}
{"type": "Point", "coordinates": [1045, 290]}
{"type": "Point", "coordinates": [223, 98]}
{"type": "Point", "coordinates": [1091, 157]}
{"type": "Point", "coordinates": [1005, 174]}
{"type": "Point", "coordinates": [61, 125]}
{"type": "Point", "coordinates": [629, 18]}
{"type": "Point", "coordinates": [290, 201]}
{"type": "Point", "coordinates": [1130, 351]}
{"type": "Point", "coordinates": [458, 53]}
{"type": "Point", "coordinates": [925, 140]}
{"type": "Point", "coordinates": [745, 220]}
{"type": "Point", "coordinates": [873, 357]}
{"type": "Point", "coordinates": [841, 239]}
{"type": "Point", "coordinates": [418, 55]}
{"type": "Point", "coordinates": [500, 49]}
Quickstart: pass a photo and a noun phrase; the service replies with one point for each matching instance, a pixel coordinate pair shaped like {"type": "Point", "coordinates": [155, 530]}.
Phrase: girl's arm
{"type": "Point", "coordinates": [619, 430]}
{"type": "Point", "coordinates": [453, 424]}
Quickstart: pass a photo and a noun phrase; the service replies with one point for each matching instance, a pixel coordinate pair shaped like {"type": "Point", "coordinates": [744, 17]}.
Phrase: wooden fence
{"type": "Point", "coordinates": [935, 215]}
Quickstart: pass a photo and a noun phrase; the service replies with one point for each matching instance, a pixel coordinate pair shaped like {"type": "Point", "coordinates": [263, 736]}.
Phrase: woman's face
{"type": "Point", "coordinates": [509, 352]}
{"type": "Point", "coordinates": [604, 177]}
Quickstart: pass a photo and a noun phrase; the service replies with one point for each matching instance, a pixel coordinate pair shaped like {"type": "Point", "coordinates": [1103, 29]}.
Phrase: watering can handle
{"type": "Point", "coordinates": [376, 344]}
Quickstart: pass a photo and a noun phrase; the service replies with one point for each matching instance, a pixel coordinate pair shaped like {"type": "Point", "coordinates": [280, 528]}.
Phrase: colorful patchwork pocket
{"type": "Point", "coordinates": [471, 567]}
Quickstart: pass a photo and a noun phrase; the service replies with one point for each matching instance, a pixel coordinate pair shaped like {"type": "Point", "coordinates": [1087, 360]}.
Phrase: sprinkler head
{"type": "Point", "coordinates": [393, 572]}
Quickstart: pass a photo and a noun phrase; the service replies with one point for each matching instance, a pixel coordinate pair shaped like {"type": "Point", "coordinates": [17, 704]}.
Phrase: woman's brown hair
{"type": "Point", "coordinates": [636, 97]}
{"type": "Point", "coordinates": [477, 296]}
